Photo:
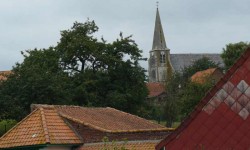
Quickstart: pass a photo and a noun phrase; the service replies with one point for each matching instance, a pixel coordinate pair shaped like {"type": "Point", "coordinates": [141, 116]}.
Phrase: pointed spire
{"type": "Point", "coordinates": [159, 42]}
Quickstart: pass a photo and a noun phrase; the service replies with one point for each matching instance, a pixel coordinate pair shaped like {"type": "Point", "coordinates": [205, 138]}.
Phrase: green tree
{"type": "Point", "coordinates": [232, 52]}
{"type": "Point", "coordinates": [38, 79]}
{"type": "Point", "coordinates": [173, 89]}
{"type": "Point", "coordinates": [192, 95]}
{"type": "Point", "coordinates": [101, 73]}
{"type": "Point", "coordinates": [80, 70]}
{"type": "Point", "coordinates": [182, 94]}
{"type": "Point", "coordinates": [198, 65]}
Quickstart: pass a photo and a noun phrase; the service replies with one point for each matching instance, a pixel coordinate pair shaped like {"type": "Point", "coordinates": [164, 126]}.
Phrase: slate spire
{"type": "Point", "coordinates": [159, 42]}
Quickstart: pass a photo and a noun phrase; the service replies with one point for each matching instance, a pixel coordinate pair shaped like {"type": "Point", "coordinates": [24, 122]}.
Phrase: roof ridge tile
{"type": "Point", "coordinates": [44, 125]}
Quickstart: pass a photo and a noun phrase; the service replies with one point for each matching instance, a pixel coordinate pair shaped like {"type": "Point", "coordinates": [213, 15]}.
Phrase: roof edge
{"type": "Point", "coordinates": [19, 123]}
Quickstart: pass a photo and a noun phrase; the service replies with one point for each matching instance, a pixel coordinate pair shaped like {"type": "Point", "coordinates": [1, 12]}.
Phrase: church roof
{"type": "Point", "coordinates": [179, 61]}
{"type": "Point", "coordinates": [221, 120]}
{"type": "Point", "coordinates": [159, 42]}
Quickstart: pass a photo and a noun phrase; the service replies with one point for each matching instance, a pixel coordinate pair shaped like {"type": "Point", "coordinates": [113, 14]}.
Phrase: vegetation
{"type": "Point", "coordinates": [79, 70]}
{"type": "Point", "coordinates": [5, 125]}
{"type": "Point", "coordinates": [184, 95]}
{"type": "Point", "coordinates": [232, 52]}
{"type": "Point", "coordinates": [114, 145]}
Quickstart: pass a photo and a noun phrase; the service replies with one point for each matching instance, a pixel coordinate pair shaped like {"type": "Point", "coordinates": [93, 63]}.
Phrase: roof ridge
{"type": "Point", "coordinates": [139, 117]}
{"type": "Point", "coordinates": [44, 125]}
{"type": "Point", "coordinates": [206, 98]}
{"type": "Point", "coordinates": [18, 123]}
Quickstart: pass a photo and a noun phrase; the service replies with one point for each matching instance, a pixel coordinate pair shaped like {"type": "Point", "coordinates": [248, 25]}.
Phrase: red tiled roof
{"type": "Point", "coordinates": [221, 120]}
{"type": "Point", "coordinates": [155, 89]}
{"type": "Point", "coordinates": [201, 76]}
{"type": "Point", "coordinates": [42, 126]}
{"type": "Point", "coordinates": [3, 74]}
{"type": "Point", "coordinates": [106, 119]}
{"type": "Point", "coordinates": [129, 145]}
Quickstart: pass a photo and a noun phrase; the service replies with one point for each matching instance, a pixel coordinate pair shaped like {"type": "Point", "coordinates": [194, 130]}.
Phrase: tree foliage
{"type": "Point", "coordinates": [232, 52]}
{"type": "Point", "coordinates": [79, 70]}
{"type": "Point", "coordinates": [182, 94]}
{"type": "Point", "coordinates": [198, 65]}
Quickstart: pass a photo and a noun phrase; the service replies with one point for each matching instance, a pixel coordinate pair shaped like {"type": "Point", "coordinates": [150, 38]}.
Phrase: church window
{"type": "Point", "coordinates": [162, 57]}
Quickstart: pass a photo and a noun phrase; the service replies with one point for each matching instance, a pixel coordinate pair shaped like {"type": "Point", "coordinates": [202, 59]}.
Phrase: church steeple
{"type": "Point", "coordinates": [159, 42]}
{"type": "Point", "coordinates": [159, 65]}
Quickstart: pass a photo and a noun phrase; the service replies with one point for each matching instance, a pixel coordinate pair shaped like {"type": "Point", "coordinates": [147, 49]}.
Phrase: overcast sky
{"type": "Point", "coordinates": [197, 26]}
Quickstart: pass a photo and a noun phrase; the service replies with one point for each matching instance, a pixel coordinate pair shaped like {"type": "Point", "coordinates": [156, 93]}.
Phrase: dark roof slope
{"type": "Point", "coordinates": [221, 119]}
{"type": "Point", "coordinates": [179, 61]}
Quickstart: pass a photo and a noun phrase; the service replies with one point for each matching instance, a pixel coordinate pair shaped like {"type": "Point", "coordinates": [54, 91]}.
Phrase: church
{"type": "Point", "coordinates": [162, 63]}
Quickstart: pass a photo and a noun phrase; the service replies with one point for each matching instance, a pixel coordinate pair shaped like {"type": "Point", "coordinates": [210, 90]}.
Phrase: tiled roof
{"type": "Point", "coordinates": [179, 61]}
{"type": "Point", "coordinates": [3, 74]}
{"type": "Point", "coordinates": [221, 120]}
{"type": "Point", "coordinates": [42, 126]}
{"type": "Point", "coordinates": [106, 119]}
{"type": "Point", "coordinates": [155, 89]}
{"type": "Point", "coordinates": [129, 145]}
{"type": "Point", "coordinates": [201, 76]}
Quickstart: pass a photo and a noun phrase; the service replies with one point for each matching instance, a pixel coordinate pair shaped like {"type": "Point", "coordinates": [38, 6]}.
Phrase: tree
{"type": "Point", "coordinates": [80, 70]}
{"type": "Point", "coordinates": [101, 73]}
{"type": "Point", "coordinates": [198, 65]}
{"type": "Point", "coordinates": [182, 94]}
{"type": "Point", "coordinates": [171, 108]}
{"type": "Point", "coordinates": [192, 95]}
{"type": "Point", "coordinates": [232, 52]}
{"type": "Point", "coordinates": [38, 79]}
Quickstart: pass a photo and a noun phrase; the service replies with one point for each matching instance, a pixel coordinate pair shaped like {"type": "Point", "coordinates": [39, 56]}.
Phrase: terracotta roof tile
{"type": "Point", "coordinates": [42, 126]}
{"type": "Point", "coordinates": [106, 119]}
{"type": "Point", "coordinates": [3, 74]}
{"type": "Point", "coordinates": [201, 76]}
{"type": "Point", "coordinates": [222, 119]}
{"type": "Point", "coordinates": [155, 89]}
{"type": "Point", "coordinates": [130, 145]}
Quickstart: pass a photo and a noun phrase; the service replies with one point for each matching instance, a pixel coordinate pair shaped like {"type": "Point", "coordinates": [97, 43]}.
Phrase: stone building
{"type": "Point", "coordinates": [162, 63]}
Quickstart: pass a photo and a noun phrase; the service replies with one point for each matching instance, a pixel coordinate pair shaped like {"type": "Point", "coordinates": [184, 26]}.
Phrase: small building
{"type": "Point", "coordinates": [157, 92]}
{"type": "Point", "coordinates": [222, 118]}
{"type": "Point", "coordinates": [54, 127]}
{"type": "Point", "coordinates": [212, 74]}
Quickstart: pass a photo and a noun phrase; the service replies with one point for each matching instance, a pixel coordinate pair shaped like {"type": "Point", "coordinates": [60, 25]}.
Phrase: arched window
{"type": "Point", "coordinates": [162, 57]}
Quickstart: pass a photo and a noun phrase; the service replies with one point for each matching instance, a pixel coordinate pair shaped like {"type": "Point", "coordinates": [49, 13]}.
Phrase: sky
{"type": "Point", "coordinates": [197, 26]}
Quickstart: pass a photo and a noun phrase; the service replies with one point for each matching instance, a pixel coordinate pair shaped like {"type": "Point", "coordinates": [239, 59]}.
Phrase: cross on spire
{"type": "Point", "coordinates": [157, 4]}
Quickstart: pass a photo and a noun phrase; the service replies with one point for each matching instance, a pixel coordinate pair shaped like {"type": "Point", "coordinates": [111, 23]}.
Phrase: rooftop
{"type": "Point", "coordinates": [42, 126]}
{"type": "Point", "coordinates": [202, 76]}
{"type": "Point", "coordinates": [155, 89]}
